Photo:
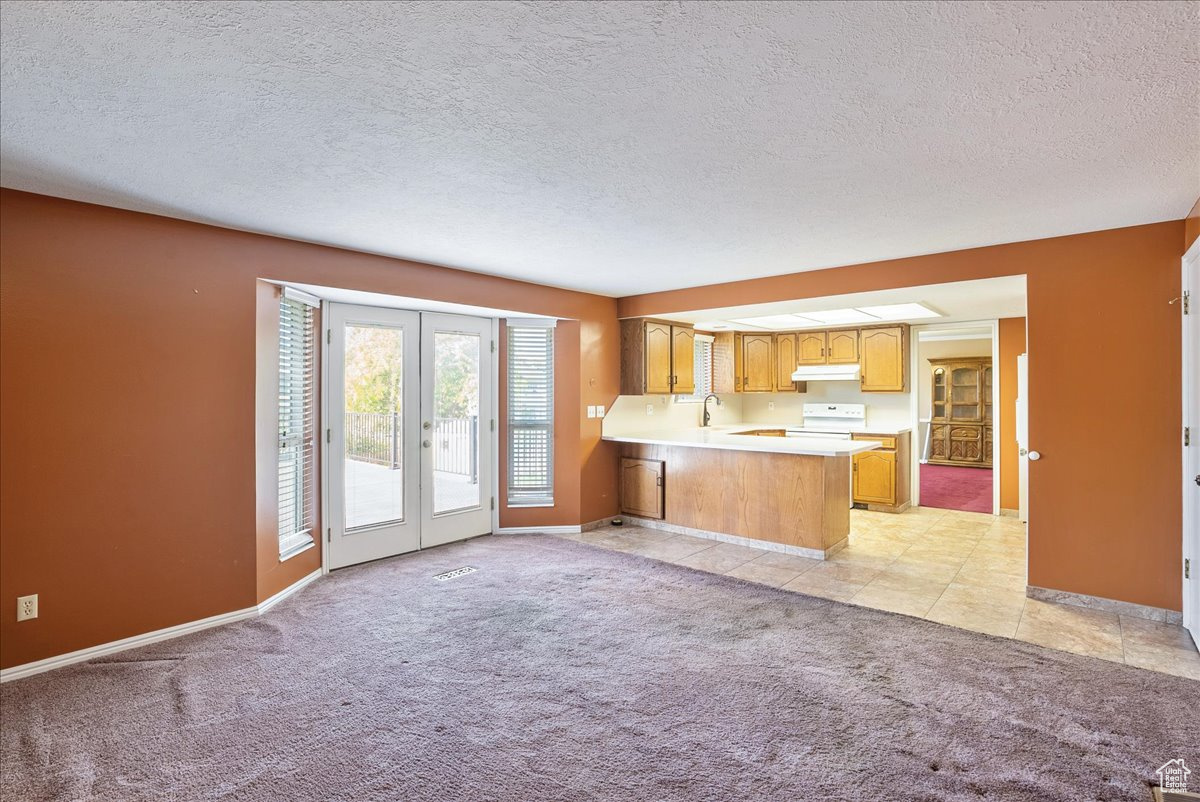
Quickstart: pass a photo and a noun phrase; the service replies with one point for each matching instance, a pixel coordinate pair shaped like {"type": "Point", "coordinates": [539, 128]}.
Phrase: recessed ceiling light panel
{"type": "Point", "coordinates": [900, 311]}
{"type": "Point", "coordinates": [776, 322]}
{"type": "Point", "coordinates": [840, 316]}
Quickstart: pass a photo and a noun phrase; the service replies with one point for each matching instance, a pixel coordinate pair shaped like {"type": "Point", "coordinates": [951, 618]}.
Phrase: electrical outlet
{"type": "Point", "coordinates": [649, 409]}
{"type": "Point", "coordinates": [26, 607]}
{"type": "Point", "coordinates": [770, 405]}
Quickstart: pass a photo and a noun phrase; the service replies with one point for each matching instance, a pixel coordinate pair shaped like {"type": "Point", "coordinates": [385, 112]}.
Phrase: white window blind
{"type": "Point", "coordinates": [703, 369]}
{"type": "Point", "coordinates": [530, 414]}
{"type": "Point", "coordinates": [297, 423]}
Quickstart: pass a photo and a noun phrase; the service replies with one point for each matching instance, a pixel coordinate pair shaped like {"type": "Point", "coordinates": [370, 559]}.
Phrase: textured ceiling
{"type": "Point", "coordinates": [613, 147]}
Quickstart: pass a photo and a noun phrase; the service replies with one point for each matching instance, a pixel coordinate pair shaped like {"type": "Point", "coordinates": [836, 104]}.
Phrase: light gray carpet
{"type": "Point", "coordinates": [565, 672]}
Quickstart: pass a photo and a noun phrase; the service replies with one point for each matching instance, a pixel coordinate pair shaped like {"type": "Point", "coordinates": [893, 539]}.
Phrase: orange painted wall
{"type": "Point", "coordinates": [1191, 230]}
{"type": "Point", "coordinates": [1012, 345]}
{"type": "Point", "coordinates": [128, 411]}
{"type": "Point", "coordinates": [1105, 504]}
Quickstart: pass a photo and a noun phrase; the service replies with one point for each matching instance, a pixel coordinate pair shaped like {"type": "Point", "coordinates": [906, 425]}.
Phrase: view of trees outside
{"type": "Point", "coordinates": [456, 391]}
{"type": "Point", "coordinates": [374, 389]}
{"type": "Point", "coordinates": [374, 369]}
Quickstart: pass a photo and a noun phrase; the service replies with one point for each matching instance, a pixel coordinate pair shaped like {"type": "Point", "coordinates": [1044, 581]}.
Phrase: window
{"type": "Point", "coordinates": [531, 413]}
{"type": "Point", "coordinates": [297, 421]}
{"type": "Point", "coordinates": [704, 369]}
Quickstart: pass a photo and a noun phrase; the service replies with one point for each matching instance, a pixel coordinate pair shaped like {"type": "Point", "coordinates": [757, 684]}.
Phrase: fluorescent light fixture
{"type": "Point", "coordinates": [778, 322]}
{"type": "Point", "coordinates": [900, 311]}
{"type": "Point", "coordinates": [839, 316]}
{"type": "Point", "coordinates": [714, 325]}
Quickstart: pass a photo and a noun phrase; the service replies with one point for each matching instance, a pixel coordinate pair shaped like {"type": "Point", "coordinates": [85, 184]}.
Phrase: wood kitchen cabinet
{"type": "Point", "coordinates": [657, 358]}
{"type": "Point", "coordinates": [642, 487]}
{"type": "Point", "coordinates": [883, 354]}
{"type": "Point", "coordinates": [880, 479]}
{"type": "Point", "coordinates": [811, 348]}
{"type": "Point", "coordinates": [842, 347]}
{"type": "Point", "coordinates": [786, 359]}
{"type": "Point", "coordinates": [758, 363]}
{"type": "Point", "coordinates": [837, 347]}
{"type": "Point", "coordinates": [960, 428]}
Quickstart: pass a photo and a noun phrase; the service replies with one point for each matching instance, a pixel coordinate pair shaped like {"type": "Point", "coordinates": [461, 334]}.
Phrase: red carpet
{"type": "Point", "coordinates": [951, 488]}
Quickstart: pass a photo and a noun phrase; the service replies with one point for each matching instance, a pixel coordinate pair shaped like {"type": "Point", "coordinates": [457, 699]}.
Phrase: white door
{"type": "Point", "coordinates": [456, 428]}
{"type": "Point", "coordinates": [1191, 450]}
{"type": "Point", "coordinates": [372, 405]}
{"type": "Point", "coordinates": [1023, 437]}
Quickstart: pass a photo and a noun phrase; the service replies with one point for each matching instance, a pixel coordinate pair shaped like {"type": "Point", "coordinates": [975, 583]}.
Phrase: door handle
{"type": "Point", "coordinates": [1023, 452]}
{"type": "Point", "coordinates": [425, 443]}
{"type": "Point", "coordinates": [426, 425]}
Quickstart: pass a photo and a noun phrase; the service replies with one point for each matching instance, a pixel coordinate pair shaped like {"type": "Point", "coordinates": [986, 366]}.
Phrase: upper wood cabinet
{"type": "Point", "coordinates": [883, 354]}
{"type": "Point", "coordinates": [657, 350]}
{"type": "Point", "coordinates": [785, 359]}
{"type": "Point", "coordinates": [758, 363]}
{"type": "Point", "coordinates": [811, 349]}
{"type": "Point", "coordinates": [842, 347]}
{"type": "Point", "coordinates": [837, 347]}
{"type": "Point", "coordinates": [657, 358]}
{"type": "Point", "coordinates": [683, 360]}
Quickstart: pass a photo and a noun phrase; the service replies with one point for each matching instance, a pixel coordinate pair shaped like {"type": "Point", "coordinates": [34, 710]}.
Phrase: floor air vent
{"type": "Point", "coordinates": [457, 572]}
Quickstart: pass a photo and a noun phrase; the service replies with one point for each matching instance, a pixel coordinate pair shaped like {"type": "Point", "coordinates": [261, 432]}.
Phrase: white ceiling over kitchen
{"type": "Point", "coordinates": [612, 147]}
{"type": "Point", "coordinates": [982, 299]}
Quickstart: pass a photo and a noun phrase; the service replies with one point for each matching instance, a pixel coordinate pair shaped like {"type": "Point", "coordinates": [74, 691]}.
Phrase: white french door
{"type": "Point", "coordinates": [409, 447]}
{"type": "Point", "coordinates": [456, 428]}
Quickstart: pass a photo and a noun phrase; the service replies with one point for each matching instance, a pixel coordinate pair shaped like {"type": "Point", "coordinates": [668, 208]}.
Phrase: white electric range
{"type": "Point", "coordinates": [837, 421]}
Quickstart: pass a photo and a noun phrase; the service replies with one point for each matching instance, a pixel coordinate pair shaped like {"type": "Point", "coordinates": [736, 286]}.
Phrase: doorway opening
{"type": "Point", "coordinates": [956, 388]}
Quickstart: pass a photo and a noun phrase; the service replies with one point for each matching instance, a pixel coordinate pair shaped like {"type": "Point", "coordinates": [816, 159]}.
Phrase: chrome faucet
{"type": "Point", "coordinates": [707, 415]}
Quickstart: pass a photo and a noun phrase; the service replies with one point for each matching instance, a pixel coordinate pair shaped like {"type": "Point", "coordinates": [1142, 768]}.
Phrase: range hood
{"type": "Point", "coordinates": [826, 373]}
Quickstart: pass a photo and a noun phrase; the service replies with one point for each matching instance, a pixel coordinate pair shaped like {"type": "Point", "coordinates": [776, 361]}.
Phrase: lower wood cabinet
{"type": "Point", "coordinates": [880, 478]}
{"type": "Point", "coordinates": [967, 444]}
{"type": "Point", "coordinates": [874, 477]}
{"type": "Point", "coordinates": [642, 487]}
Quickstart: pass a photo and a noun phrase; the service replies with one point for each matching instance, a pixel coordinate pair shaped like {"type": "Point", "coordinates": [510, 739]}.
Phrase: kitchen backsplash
{"type": "Point", "coordinates": [883, 409]}
{"type": "Point", "coordinates": [628, 413]}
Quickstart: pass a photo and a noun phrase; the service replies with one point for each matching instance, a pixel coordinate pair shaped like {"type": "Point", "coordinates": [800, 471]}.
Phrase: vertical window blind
{"type": "Point", "coordinates": [704, 368]}
{"type": "Point", "coordinates": [530, 413]}
{"type": "Point", "coordinates": [297, 422]}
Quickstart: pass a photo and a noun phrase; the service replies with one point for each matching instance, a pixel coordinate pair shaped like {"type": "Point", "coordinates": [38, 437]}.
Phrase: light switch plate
{"type": "Point", "coordinates": [599, 410]}
{"type": "Point", "coordinates": [649, 409]}
{"type": "Point", "coordinates": [591, 411]}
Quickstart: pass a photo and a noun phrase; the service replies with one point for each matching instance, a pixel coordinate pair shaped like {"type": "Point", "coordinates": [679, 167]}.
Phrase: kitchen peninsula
{"type": "Point", "coordinates": [742, 484]}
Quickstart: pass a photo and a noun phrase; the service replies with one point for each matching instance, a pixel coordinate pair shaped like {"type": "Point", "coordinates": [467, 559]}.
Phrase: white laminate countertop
{"type": "Point", "coordinates": [726, 437]}
{"type": "Point", "coordinates": [869, 429]}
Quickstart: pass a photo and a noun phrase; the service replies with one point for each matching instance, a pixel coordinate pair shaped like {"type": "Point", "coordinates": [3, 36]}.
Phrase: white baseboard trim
{"type": "Point", "coordinates": [765, 545]}
{"type": "Point", "coordinates": [553, 530]}
{"type": "Point", "coordinates": [179, 630]}
{"type": "Point", "coordinates": [539, 530]}
{"type": "Point", "coordinates": [1132, 609]}
{"type": "Point", "coordinates": [291, 589]}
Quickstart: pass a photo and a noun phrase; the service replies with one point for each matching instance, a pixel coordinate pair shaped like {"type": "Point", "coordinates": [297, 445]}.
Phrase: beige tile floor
{"type": "Point", "coordinates": [963, 569]}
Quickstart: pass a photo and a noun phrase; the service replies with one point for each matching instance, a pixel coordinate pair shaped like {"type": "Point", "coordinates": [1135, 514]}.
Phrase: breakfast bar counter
{"type": "Point", "coordinates": [785, 494]}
